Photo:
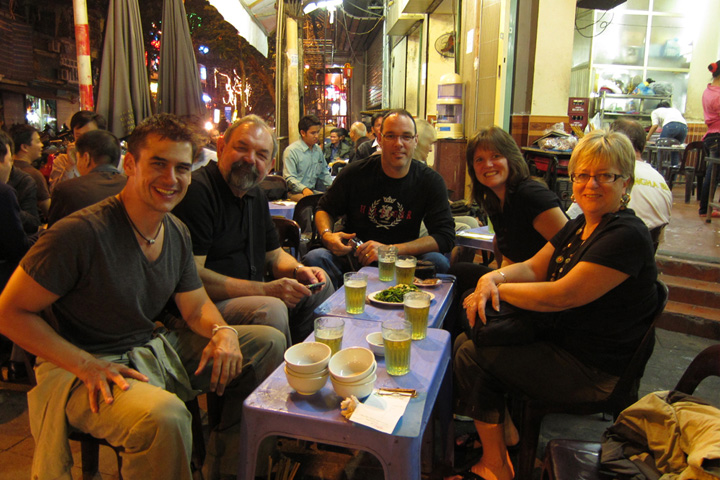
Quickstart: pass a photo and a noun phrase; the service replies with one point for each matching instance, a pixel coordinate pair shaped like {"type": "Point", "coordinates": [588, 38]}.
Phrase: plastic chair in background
{"type": "Point", "coordinates": [289, 234]}
{"type": "Point", "coordinates": [304, 215]}
{"type": "Point", "coordinates": [692, 160]}
{"type": "Point", "coordinates": [275, 187]}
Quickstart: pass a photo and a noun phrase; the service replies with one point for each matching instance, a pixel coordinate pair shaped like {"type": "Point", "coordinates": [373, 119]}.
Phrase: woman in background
{"type": "Point", "coordinates": [672, 123]}
{"type": "Point", "coordinates": [523, 212]}
{"type": "Point", "coordinates": [711, 109]}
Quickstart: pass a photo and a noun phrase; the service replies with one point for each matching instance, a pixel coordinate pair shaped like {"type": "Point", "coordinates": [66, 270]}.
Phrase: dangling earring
{"type": "Point", "coordinates": [572, 198]}
{"type": "Point", "coordinates": [625, 199]}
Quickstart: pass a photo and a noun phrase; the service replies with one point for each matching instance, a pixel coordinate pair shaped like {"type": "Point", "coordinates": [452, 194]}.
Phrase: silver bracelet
{"type": "Point", "coordinates": [504, 280]}
{"type": "Point", "coordinates": [217, 327]}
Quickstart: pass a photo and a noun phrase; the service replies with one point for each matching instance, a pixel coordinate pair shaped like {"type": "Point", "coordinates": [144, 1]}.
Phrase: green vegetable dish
{"type": "Point", "coordinates": [395, 294]}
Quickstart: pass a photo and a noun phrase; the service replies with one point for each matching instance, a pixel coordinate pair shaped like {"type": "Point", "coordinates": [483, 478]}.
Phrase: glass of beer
{"type": "Point", "coordinates": [387, 254]}
{"type": "Point", "coordinates": [405, 269]}
{"type": "Point", "coordinates": [417, 308]}
{"type": "Point", "coordinates": [355, 287]}
{"type": "Point", "coordinates": [329, 330]}
{"type": "Point", "coordinates": [396, 338]}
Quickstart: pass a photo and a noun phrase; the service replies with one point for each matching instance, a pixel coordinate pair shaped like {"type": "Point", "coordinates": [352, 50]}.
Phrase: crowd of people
{"type": "Point", "coordinates": [160, 273]}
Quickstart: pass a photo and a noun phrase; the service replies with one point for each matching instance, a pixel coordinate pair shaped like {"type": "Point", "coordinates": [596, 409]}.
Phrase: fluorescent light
{"type": "Point", "coordinates": [310, 7]}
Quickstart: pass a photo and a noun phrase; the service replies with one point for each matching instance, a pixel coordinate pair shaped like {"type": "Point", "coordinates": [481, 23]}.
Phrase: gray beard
{"type": "Point", "coordinates": [244, 177]}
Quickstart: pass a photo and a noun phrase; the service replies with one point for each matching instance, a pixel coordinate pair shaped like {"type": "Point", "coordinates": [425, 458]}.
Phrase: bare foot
{"type": "Point", "coordinates": [510, 431]}
{"type": "Point", "coordinates": [505, 471]}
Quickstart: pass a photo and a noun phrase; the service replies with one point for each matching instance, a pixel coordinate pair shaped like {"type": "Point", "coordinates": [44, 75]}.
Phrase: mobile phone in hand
{"type": "Point", "coordinates": [315, 286]}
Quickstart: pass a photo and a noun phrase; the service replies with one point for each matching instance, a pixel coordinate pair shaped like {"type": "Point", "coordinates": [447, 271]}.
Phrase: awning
{"type": "Point", "coordinates": [253, 19]}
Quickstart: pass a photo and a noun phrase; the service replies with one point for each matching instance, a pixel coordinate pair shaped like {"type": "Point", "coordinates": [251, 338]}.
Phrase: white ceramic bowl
{"type": "Point", "coordinates": [360, 390]}
{"type": "Point", "coordinates": [309, 357]}
{"type": "Point", "coordinates": [324, 371]}
{"type": "Point", "coordinates": [306, 385]}
{"type": "Point", "coordinates": [375, 343]}
{"type": "Point", "coordinates": [351, 364]}
{"type": "Point", "coordinates": [358, 381]}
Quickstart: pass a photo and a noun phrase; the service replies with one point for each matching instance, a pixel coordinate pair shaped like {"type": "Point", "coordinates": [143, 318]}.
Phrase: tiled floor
{"type": "Point", "coordinates": [687, 236]}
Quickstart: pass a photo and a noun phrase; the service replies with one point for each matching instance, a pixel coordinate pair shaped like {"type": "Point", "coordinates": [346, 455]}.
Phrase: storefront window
{"type": "Point", "coordinates": [620, 39]}
{"type": "Point", "coordinates": [672, 6]}
{"type": "Point", "coordinates": [41, 113]}
{"type": "Point", "coordinates": [671, 43]}
{"type": "Point", "coordinates": [634, 45]}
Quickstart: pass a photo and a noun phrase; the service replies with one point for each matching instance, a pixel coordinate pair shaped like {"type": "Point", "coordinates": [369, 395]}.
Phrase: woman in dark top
{"type": "Point", "coordinates": [596, 277]}
{"type": "Point", "coordinates": [523, 212]}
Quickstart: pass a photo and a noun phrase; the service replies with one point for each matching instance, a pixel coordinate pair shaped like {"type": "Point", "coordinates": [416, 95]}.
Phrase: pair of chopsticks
{"type": "Point", "coordinates": [405, 392]}
{"type": "Point", "coordinates": [286, 469]}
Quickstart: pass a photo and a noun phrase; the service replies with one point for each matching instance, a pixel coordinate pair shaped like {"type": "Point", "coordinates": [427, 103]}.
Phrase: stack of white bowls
{"type": "Point", "coordinates": [306, 366]}
{"type": "Point", "coordinates": [353, 372]}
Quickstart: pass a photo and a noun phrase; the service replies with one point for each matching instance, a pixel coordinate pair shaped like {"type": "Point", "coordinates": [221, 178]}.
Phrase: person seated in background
{"type": "Point", "coordinates": [64, 164]}
{"type": "Point", "coordinates": [672, 123]}
{"type": "Point", "coordinates": [651, 198]}
{"type": "Point", "coordinates": [28, 148]}
{"type": "Point", "coordinates": [206, 152]}
{"type": "Point", "coordinates": [426, 138]}
{"type": "Point", "coordinates": [304, 167]}
{"type": "Point", "coordinates": [366, 149]}
{"type": "Point", "coordinates": [98, 154]}
{"type": "Point", "coordinates": [524, 213]}
{"type": "Point", "coordinates": [26, 191]}
{"type": "Point", "coordinates": [385, 198]}
{"type": "Point", "coordinates": [107, 272]}
{"type": "Point", "coordinates": [338, 148]}
{"type": "Point", "coordinates": [235, 242]}
{"type": "Point", "coordinates": [597, 305]}
{"type": "Point", "coordinates": [14, 242]}
{"type": "Point", "coordinates": [358, 135]}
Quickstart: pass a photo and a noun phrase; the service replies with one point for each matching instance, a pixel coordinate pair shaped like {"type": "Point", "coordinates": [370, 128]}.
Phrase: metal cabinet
{"type": "Point", "coordinates": [612, 106]}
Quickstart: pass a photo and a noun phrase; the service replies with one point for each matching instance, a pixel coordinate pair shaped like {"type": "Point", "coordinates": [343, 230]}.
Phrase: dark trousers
{"type": "Point", "coordinates": [540, 370]}
{"type": "Point", "coordinates": [712, 145]}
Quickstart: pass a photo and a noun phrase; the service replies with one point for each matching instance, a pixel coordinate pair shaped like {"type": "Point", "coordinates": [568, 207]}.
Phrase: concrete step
{"type": "Point", "coordinates": [694, 304]}
{"type": "Point", "coordinates": [678, 267]}
{"type": "Point", "coordinates": [691, 320]}
{"type": "Point", "coordinates": [692, 291]}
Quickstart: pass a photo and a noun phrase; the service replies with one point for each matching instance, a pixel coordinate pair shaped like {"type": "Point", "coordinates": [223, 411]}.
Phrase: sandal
{"type": "Point", "coordinates": [466, 453]}
{"type": "Point", "coordinates": [465, 475]}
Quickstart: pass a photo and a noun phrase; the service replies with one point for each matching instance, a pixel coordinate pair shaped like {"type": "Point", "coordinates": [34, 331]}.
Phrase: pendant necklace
{"type": "Point", "coordinates": [150, 241]}
{"type": "Point", "coordinates": [567, 253]}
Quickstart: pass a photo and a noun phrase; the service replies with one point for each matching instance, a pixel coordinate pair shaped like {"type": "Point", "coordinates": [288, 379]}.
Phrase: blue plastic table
{"type": "Point", "coordinates": [282, 208]}
{"type": "Point", "coordinates": [479, 238]}
{"type": "Point", "coordinates": [335, 305]}
{"type": "Point", "coordinates": [276, 409]}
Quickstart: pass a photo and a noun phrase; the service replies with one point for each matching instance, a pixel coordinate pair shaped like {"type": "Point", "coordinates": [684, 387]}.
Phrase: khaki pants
{"type": "Point", "coordinates": [153, 426]}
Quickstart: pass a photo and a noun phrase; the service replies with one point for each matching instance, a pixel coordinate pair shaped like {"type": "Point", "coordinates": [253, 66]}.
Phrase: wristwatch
{"type": "Point", "coordinates": [299, 266]}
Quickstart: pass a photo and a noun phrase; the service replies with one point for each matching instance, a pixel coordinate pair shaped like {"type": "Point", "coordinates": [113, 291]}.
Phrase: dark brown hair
{"type": "Point", "coordinates": [495, 139]}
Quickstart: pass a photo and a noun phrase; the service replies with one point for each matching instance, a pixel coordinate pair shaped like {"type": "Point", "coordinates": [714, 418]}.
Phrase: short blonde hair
{"type": "Point", "coordinates": [607, 149]}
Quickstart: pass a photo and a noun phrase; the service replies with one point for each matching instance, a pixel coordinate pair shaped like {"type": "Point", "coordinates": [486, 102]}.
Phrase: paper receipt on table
{"type": "Point", "coordinates": [380, 412]}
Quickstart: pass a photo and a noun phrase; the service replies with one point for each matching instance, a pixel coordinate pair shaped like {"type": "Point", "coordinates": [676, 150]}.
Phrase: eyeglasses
{"type": "Point", "coordinates": [391, 137]}
{"type": "Point", "coordinates": [599, 178]}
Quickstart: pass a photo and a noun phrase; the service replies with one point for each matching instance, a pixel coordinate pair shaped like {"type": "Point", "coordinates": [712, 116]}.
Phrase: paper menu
{"type": "Point", "coordinates": [381, 412]}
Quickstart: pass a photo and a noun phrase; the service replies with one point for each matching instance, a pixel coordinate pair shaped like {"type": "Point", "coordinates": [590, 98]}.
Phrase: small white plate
{"type": "Point", "coordinates": [372, 298]}
{"type": "Point", "coordinates": [421, 283]}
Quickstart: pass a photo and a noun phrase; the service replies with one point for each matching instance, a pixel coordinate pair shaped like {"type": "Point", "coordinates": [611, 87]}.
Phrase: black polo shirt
{"type": "Point", "coordinates": [233, 233]}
